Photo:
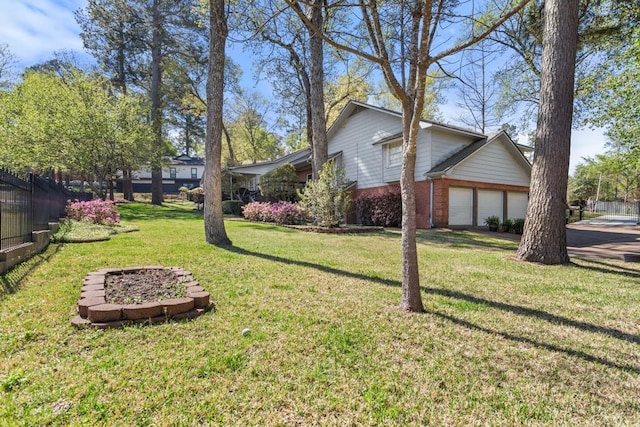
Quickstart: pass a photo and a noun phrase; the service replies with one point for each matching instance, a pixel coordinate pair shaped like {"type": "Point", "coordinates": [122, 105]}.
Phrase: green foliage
{"type": "Point", "coordinates": [197, 195]}
{"type": "Point", "coordinates": [72, 231]}
{"type": "Point", "coordinates": [73, 122]}
{"type": "Point", "coordinates": [381, 209]}
{"type": "Point", "coordinates": [507, 225]}
{"type": "Point", "coordinates": [606, 177]}
{"type": "Point", "coordinates": [280, 184]}
{"type": "Point", "coordinates": [327, 199]}
{"type": "Point", "coordinates": [232, 207]}
{"type": "Point", "coordinates": [614, 99]}
{"type": "Point", "coordinates": [518, 225]}
{"type": "Point", "coordinates": [492, 220]}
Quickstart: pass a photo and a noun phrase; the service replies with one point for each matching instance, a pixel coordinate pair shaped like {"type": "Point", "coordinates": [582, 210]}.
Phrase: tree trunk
{"type": "Point", "coordinates": [316, 60]}
{"type": "Point", "coordinates": [411, 298]}
{"type": "Point", "coordinates": [127, 185]}
{"type": "Point", "coordinates": [544, 239]}
{"type": "Point", "coordinates": [232, 157]}
{"type": "Point", "coordinates": [156, 113]}
{"type": "Point", "coordinates": [215, 232]}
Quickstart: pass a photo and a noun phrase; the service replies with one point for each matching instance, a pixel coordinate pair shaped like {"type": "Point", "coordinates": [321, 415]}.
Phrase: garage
{"type": "Point", "coordinates": [490, 203]}
{"type": "Point", "coordinates": [517, 204]}
{"type": "Point", "coordinates": [460, 206]}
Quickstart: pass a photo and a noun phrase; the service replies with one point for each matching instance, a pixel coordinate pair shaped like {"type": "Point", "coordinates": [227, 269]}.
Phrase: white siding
{"type": "Point", "coordinates": [364, 160]}
{"type": "Point", "coordinates": [445, 144]}
{"type": "Point", "coordinates": [460, 206]}
{"type": "Point", "coordinates": [490, 202]}
{"type": "Point", "coordinates": [493, 163]}
{"type": "Point", "coordinates": [517, 204]}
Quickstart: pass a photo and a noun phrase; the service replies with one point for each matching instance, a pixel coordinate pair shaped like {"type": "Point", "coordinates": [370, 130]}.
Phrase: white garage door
{"type": "Point", "coordinates": [460, 206]}
{"type": "Point", "coordinates": [490, 203]}
{"type": "Point", "coordinates": [517, 204]}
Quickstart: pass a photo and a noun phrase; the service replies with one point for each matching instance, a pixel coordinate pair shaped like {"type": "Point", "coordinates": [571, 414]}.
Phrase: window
{"type": "Point", "coordinates": [172, 173]}
{"type": "Point", "coordinates": [194, 173]}
{"type": "Point", "coordinates": [394, 154]}
{"type": "Point", "coordinates": [309, 177]}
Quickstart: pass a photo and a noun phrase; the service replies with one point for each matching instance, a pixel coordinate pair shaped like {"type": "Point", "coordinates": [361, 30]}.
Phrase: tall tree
{"type": "Point", "coordinates": [7, 62]}
{"type": "Point", "coordinates": [253, 139]}
{"type": "Point", "coordinates": [603, 24]}
{"type": "Point", "coordinates": [215, 232]}
{"type": "Point", "coordinates": [544, 239]}
{"type": "Point", "coordinates": [405, 72]}
{"type": "Point", "coordinates": [478, 89]}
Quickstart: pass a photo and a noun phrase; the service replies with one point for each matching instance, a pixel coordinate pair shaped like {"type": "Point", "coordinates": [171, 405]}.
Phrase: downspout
{"type": "Point", "coordinates": [431, 224]}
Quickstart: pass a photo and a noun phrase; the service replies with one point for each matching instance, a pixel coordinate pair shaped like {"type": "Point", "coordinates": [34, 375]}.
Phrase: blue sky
{"type": "Point", "coordinates": [34, 29]}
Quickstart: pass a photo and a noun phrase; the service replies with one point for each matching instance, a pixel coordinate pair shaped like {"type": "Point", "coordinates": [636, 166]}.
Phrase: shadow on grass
{"type": "Point", "coordinates": [608, 268]}
{"type": "Point", "coordinates": [515, 309]}
{"type": "Point", "coordinates": [146, 211]}
{"type": "Point", "coordinates": [10, 281]}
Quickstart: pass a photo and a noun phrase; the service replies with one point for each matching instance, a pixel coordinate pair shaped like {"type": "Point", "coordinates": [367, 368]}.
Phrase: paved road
{"type": "Point", "coordinates": [602, 241]}
{"type": "Point", "coordinates": [597, 241]}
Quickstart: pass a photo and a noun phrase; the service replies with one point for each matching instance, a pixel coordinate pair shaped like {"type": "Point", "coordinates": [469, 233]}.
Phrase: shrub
{"type": "Point", "coordinates": [492, 220]}
{"type": "Point", "coordinates": [507, 225]}
{"type": "Point", "coordinates": [184, 191]}
{"type": "Point", "coordinates": [380, 209]}
{"type": "Point", "coordinates": [281, 213]}
{"type": "Point", "coordinates": [518, 225]}
{"type": "Point", "coordinates": [280, 184]}
{"type": "Point", "coordinates": [197, 195]}
{"type": "Point", "coordinates": [289, 213]}
{"type": "Point", "coordinates": [95, 211]}
{"type": "Point", "coordinates": [232, 207]}
{"type": "Point", "coordinates": [327, 198]}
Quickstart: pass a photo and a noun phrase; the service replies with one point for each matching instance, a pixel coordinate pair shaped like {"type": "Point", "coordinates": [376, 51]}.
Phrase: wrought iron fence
{"type": "Point", "coordinates": [29, 203]}
{"type": "Point", "coordinates": [615, 210]}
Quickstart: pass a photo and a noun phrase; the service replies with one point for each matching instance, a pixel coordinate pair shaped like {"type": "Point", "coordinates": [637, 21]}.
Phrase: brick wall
{"type": "Point", "coordinates": [440, 197]}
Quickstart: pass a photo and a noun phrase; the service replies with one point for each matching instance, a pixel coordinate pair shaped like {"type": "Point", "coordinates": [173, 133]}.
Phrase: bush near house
{"type": "Point", "coordinates": [280, 184]}
{"type": "Point", "coordinates": [232, 207]}
{"type": "Point", "coordinates": [285, 213]}
{"type": "Point", "coordinates": [327, 198]}
{"type": "Point", "coordinates": [380, 209]}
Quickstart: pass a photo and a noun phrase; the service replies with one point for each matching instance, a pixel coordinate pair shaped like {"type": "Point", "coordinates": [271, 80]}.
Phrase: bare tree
{"type": "Point", "coordinates": [215, 232]}
{"type": "Point", "coordinates": [544, 238]}
{"type": "Point", "coordinates": [421, 41]}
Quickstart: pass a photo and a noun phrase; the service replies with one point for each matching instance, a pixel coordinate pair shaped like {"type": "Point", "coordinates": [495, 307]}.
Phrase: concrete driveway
{"type": "Point", "coordinates": [602, 241]}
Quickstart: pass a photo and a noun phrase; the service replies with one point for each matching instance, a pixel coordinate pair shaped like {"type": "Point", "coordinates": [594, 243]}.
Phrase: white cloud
{"type": "Point", "coordinates": [35, 29]}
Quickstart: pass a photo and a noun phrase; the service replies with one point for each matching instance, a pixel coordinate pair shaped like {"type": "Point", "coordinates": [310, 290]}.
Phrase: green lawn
{"type": "Point", "coordinates": [501, 342]}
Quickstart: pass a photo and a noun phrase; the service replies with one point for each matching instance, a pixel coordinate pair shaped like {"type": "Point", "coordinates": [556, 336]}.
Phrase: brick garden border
{"type": "Point", "coordinates": [95, 312]}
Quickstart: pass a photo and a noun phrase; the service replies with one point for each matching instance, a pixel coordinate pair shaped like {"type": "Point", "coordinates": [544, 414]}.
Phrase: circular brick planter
{"type": "Point", "coordinates": [96, 312]}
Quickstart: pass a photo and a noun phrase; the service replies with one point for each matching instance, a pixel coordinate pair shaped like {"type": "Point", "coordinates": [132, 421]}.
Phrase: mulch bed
{"type": "Point", "coordinates": [142, 286]}
{"type": "Point", "coordinates": [115, 297]}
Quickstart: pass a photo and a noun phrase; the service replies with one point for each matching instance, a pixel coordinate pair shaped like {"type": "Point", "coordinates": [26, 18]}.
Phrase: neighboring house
{"type": "Point", "coordinates": [181, 171]}
{"type": "Point", "coordinates": [462, 177]}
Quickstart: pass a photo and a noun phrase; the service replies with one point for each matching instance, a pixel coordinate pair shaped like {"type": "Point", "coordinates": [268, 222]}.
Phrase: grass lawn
{"type": "Point", "coordinates": [501, 342]}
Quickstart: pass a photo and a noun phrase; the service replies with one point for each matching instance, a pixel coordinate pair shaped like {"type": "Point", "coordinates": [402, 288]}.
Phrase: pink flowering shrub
{"type": "Point", "coordinates": [280, 213]}
{"type": "Point", "coordinates": [94, 211]}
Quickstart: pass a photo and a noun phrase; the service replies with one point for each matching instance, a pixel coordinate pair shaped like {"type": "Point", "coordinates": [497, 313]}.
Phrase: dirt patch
{"type": "Point", "coordinates": [142, 286]}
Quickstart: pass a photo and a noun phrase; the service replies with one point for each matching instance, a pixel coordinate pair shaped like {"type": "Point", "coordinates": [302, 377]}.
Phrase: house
{"type": "Point", "coordinates": [181, 171]}
{"type": "Point", "coordinates": [462, 177]}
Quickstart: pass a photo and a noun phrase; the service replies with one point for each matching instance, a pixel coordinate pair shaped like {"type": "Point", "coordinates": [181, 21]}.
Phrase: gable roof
{"type": "Point", "coordinates": [258, 168]}
{"type": "Point", "coordinates": [354, 107]}
{"type": "Point", "coordinates": [470, 150]}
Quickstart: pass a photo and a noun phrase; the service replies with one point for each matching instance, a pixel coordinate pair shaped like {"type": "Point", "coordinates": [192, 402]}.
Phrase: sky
{"type": "Point", "coordinates": [35, 29]}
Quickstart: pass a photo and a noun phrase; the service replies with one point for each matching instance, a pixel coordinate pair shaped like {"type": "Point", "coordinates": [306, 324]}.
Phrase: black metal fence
{"type": "Point", "coordinates": [29, 203]}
